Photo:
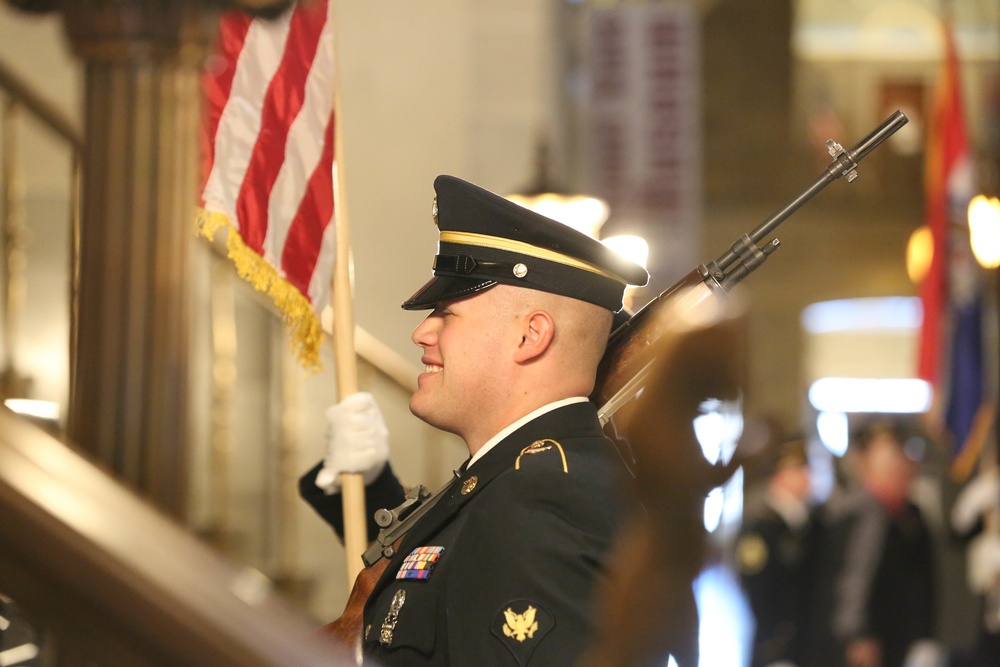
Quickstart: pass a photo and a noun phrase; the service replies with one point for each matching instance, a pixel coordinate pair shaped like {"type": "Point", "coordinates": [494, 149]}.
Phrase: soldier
{"type": "Point", "coordinates": [770, 554]}
{"type": "Point", "coordinates": [872, 564]}
{"type": "Point", "coordinates": [502, 569]}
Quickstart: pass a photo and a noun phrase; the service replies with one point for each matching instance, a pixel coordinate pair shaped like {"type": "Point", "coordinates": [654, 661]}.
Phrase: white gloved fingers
{"type": "Point", "coordinates": [984, 563]}
{"type": "Point", "coordinates": [979, 495]}
{"type": "Point", "coordinates": [357, 441]}
{"type": "Point", "coordinates": [358, 415]}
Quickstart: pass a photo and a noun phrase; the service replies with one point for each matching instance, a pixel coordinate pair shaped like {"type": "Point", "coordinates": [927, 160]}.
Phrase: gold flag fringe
{"type": "Point", "coordinates": [300, 319]}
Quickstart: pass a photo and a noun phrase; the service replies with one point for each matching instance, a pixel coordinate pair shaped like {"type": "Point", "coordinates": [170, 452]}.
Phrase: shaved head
{"type": "Point", "coordinates": [581, 331]}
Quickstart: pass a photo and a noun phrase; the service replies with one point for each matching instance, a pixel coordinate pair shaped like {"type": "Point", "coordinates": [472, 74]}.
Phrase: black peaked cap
{"type": "Point", "coordinates": [486, 240]}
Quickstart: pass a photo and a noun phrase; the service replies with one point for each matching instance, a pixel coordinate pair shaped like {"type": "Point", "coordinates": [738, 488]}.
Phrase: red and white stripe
{"type": "Point", "coordinates": [268, 141]}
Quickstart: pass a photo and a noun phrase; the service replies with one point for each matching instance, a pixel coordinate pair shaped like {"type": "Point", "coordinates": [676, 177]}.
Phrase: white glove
{"type": "Point", "coordinates": [983, 560]}
{"type": "Point", "coordinates": [356, 441]}
{"type": "Point", "coordinates": [979, 495]}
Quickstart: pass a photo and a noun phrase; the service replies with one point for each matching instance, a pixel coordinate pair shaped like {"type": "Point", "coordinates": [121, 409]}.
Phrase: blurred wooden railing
{"type": "Point", "coordinates": [122, 584]}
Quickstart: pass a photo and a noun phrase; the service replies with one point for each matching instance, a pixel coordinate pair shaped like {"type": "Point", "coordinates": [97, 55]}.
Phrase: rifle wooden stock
{"type": "Point", "coordinates": [348, 629]}
{"type": "Point", "coordinates": [632, 346]}
{"type": "Point", "coordinates": [647, 605]}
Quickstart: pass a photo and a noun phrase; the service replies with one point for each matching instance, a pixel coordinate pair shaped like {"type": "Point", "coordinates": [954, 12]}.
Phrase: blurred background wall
{"type": "Point", "coordinates": [753, 91]}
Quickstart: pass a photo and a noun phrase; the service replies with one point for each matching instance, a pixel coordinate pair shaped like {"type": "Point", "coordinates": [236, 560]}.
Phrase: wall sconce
{"type": "Point", "coordinates": [984, 230]}
{"type": "Point", "coordinates": [582, 212]}
{"type": "Point", "coordinates": [919, 253]}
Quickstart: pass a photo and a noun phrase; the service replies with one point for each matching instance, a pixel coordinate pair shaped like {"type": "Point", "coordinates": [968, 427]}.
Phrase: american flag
{"type": "Point", "coordinates": [268, 145]}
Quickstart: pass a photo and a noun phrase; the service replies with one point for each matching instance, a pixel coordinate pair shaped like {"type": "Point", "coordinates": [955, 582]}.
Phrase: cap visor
{"type": "Point", "coordinates": [445, 288]}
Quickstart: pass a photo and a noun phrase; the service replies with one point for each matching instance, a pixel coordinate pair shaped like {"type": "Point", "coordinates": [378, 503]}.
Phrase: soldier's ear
{"type": "Point", "coordinates": [536, 335]}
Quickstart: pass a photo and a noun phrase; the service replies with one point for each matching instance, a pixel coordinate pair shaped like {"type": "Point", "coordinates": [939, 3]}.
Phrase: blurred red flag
{"type": "Point", "coordinates": [947, 181]}
{"type": "Point", "coordinates": [267, 140]}
{"type": "Point", "coordinates": [951, 348]}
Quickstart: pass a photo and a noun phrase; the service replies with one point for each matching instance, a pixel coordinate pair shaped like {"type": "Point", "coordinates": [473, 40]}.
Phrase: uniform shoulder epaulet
{"type": "Point", "coordinates": [547, 447]}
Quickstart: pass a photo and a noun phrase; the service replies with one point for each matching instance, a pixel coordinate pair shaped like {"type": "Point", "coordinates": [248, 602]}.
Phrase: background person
{"type": "Point", "coordinates": [770, 555]}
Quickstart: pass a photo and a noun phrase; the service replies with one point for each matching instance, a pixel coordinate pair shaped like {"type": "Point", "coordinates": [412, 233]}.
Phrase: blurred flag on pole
{"type": "Point", "coordinates": [951, 350]}
{"type": "Point", "coordinates": [267, 140]}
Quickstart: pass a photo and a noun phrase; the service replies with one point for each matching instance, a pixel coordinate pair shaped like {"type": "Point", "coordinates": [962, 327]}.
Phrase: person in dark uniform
{"type": "Point", "coordinates": [502, 569]}
{"type": "Point", "coordinates": [770, 555]}
{"type": "Point", "coordinates": [873, 591]}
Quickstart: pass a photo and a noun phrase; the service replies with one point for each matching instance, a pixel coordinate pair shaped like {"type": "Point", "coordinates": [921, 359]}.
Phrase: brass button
{"type": "Point", "coordinates": [520, 270]}
{"type": "Point", "coordinates": [469, 484]}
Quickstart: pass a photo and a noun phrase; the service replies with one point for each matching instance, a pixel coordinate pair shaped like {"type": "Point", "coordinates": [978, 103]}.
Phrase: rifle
{"type": "Point", "coordinates": [632, 346]}
{"type": "Point", "coordinates": [629, 356]}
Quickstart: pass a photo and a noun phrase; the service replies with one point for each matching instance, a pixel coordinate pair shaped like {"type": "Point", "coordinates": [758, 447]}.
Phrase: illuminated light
{"type": "Point", "coordinates": [32, 408]}
{"type": "Point", "coordinates": [19, 654]}
{"type": "Point", "coordinates": [984, 230]}
{"type": "Point", "coordinates": [891, 312]}
{"type": "Point", "coordinates": [633, 248]}
{"type": "Point", "coordinates": [919, 253]}
{"type": "Point", "coordinates": [722, 612]}
{"type": "Point", "coordinates": [890, 395]}
{"type": "Point", "coordinates": [714, 503]}
{"type": "Point", "coordinates": [834, 431]}
{"type": "Point", "coordinates": [718, 429]}
{"type": "Point", "coordinates": [583, 213]}
{"type": "Point", "coordinates": [709, 430]}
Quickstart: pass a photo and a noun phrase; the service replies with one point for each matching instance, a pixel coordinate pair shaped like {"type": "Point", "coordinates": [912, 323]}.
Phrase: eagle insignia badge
{"type": "Point", "coordinates": [520, 625]}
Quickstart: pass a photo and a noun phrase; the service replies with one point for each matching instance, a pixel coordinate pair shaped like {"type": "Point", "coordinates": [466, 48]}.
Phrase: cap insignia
{"type": "Point", "coordinates": [469, 484]}
{"type": "Point", "coordinates": [434, 210]}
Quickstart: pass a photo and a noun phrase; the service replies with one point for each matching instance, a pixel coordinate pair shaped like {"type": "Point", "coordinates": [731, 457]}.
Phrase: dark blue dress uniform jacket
{"type": "Point", "coordinates": [771, 556]}
{"type": "Point", "coordinates": [504, 573]}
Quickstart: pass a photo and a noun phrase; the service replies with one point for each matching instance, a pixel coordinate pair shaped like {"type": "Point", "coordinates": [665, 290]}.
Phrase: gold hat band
{"type": "Point", "coordinates": [469, 238]}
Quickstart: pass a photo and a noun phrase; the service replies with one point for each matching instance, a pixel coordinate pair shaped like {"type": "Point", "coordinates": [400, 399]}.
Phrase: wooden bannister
{"type": "Point", "coordinates": [123, 584]}
{"type": "Point", "coordinates": [23, 93]}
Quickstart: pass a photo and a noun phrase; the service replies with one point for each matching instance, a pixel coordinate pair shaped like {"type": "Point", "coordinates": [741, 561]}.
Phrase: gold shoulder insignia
{"type": "Point", "coordinates": [751, 554]}
{"type": "Point", "coordinates": [521, 625]}
{"type": "Point", "coordinates": [539, 446]}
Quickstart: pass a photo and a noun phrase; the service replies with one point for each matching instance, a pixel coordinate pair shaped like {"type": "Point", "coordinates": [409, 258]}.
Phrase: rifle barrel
{"type": "Point", "coordinates": [844, 162]}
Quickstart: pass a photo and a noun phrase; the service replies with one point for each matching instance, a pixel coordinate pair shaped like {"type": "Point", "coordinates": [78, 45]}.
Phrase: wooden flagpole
{"type": "Point", "coordinates": [351, 484]}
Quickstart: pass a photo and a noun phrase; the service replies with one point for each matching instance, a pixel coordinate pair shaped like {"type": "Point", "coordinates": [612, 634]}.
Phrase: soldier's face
{"type": "Point", "coordinates": [464, 344]}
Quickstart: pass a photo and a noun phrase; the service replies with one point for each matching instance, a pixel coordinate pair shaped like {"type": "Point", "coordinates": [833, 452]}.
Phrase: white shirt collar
{"type": "Point", "coordinates": [521, 422]}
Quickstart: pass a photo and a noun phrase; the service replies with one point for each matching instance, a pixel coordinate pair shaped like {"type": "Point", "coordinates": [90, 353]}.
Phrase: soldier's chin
{"type": "Point", "coordinates": [421, 407]}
